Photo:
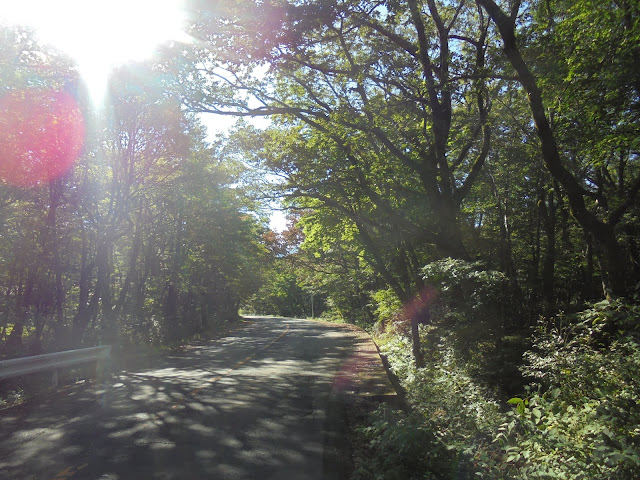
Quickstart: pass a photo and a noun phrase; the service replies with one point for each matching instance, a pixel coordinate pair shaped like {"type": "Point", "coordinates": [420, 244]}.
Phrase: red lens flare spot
{"type": "Point", "coordinates": [419, 307]}
{"type": "Point", "coordinates": [42, 133]}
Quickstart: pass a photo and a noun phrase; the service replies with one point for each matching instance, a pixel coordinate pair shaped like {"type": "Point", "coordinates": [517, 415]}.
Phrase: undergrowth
{"type": "Point", "coordinates": [577, 416]}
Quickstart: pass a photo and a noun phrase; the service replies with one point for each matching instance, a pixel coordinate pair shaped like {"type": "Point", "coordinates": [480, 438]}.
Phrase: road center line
{"type": "Point", "coordinates": [70, 471]}
{"type": "Point", "coordinates": [247, 359]}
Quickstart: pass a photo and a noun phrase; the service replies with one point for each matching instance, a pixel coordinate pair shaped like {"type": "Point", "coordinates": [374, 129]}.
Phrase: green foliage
{"type": "Point", "coordinates": [395, 153]}
{"type": "Point", "coordinates": [454, 403]}
{"type": "Point", "coordinates": [577, 420]}
{"type": "Point", "coordinates": [597, 71]}
{"type": "Point", "coordinates": [472, 314]}
{"type": "Point", "coordinates": [593, 349]}
{"type": "Point", "coordinates": [281, 294]}
{"type": "Point", "coordinates": [470, 289]}
{"type": "Point", "coordinates": [450, 395]}
{"type": "Point", "coordinates": [149, 237]}
{"type": "Point", "coordinates": [581, 417]}
{"type": "Point", "coordinates": [455, 395]}
{"type": "Point", "coordinates": [549, 437]}
{"type": "Point", "coordinates": [400, 447]}
{"type": "Point", "coordinates": [328, 263]}
{"type": "Point", "coordinates": [388, 306]}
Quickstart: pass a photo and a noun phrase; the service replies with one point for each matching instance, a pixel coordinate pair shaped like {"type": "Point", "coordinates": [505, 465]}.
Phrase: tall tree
{"type": "Point", "coordinates": [385, 104]}
{"type": "Point", "coordinates": [327, 76]}
{"type": "Point", "coordinates": [617, 27]}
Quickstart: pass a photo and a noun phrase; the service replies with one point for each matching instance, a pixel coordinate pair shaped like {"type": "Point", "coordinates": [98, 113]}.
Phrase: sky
{"type": "Point", "coordinates": [100, 36]}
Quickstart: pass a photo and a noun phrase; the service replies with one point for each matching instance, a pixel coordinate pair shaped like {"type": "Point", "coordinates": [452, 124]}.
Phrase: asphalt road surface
{"type": "Point", "coordinates": [250, 406]}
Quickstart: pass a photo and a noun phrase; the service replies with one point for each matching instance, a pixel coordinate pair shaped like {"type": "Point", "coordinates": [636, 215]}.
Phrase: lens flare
{"type": "Point", "coordinates": [42, 133]}
{"type": "Point", "coordinates": [419, 308]}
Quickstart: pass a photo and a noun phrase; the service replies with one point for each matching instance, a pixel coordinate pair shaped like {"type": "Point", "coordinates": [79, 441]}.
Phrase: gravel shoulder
{"type": "Point", "coordinates": [359, 387]}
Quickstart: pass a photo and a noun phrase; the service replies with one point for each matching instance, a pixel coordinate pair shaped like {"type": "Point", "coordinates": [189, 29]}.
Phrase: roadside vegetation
{"type": "Point", "coordinates": [462, 180]}
{"type": "Point", "coordinates": [569, 411]}
{"type": "Point", "coordinates": [150, 237]}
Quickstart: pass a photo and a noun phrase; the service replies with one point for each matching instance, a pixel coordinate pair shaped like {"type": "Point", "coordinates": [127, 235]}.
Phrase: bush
{"type": "Point", "coordinates": [586, 424]}
{"type": "Point", "coordinates": [473, 314]}
{"type": "Point", "coordinates": [388, 307]}
{"type": "Point", "coordinates": [456, 410]}
{"type": "Point", "coordinates": [579, 416]}
{"type": "Point", "coordinates": [401, 447]}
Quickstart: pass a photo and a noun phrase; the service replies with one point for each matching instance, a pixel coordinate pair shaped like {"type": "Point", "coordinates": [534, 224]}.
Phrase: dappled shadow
{"type": "Point", "coordinates": [248, 406]}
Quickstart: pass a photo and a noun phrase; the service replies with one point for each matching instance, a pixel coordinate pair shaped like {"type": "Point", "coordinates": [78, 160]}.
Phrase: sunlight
{"type": "Point", "coordinates": [101, 35]}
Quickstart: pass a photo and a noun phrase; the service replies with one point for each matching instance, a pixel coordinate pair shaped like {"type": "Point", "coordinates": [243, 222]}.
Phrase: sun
{"type": "Point", "coordinates": [100, 35]}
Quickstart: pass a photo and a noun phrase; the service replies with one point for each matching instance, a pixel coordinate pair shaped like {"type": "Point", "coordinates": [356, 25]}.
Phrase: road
{"type": "Point", "coordinates": [249, 406]}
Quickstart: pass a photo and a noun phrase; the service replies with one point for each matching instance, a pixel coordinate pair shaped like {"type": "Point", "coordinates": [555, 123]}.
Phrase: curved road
{"type": "Point", "coordinates": [249, 406]}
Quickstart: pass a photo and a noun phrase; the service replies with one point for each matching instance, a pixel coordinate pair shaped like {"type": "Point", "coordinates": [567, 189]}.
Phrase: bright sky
{"type": "Point", "coordinates": [99, 35]}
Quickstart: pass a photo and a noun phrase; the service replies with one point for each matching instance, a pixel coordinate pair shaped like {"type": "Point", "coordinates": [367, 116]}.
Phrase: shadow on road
{"type": "Point", "coordinates": [251, 405]}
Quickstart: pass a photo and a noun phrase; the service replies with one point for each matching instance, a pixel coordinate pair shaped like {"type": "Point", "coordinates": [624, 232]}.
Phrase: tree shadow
{"type": "Point", "coordinates": [251, 405]}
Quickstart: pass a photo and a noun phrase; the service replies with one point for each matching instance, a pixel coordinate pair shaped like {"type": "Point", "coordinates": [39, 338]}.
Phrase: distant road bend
{"type": "Point", "coordinates": [249, 406]}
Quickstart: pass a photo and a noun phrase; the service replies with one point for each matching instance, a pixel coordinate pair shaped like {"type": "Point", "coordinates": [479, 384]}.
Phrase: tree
{"type": "Point", "coordinates": [145, 235]}
{"type": "Point", "coordinates": [41, 136]}
{"type": "Point", "coordinates": [385, 127]}
{"type": "Point", "coordinates": [585, 197]}
{"type": "Point", "coordinates": [397, 107]}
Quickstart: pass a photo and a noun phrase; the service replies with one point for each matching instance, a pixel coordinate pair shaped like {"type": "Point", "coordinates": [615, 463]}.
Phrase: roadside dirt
{"type": "Point", "coordinates": [361, 385]}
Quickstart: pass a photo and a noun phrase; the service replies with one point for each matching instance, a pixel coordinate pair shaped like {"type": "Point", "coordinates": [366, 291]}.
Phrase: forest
{"type": "Point", "coordinates": [461, 179]}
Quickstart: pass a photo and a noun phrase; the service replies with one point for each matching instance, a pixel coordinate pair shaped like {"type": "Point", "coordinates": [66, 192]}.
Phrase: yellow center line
{"type": "Point", "coordinates": [247, 359]}
{"type": "Point", "coordinates": [67, 472]}
{"type": "Point", "coordinates": [71, 471]}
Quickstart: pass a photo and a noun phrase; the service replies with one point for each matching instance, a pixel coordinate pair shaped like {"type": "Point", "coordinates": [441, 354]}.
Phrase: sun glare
{"type": "Point", "coordinates": [100, 35]}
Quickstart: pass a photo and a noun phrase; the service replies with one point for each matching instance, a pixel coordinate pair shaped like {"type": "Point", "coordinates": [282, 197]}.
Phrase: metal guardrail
{"type": "Point", "coordinates": [54, 361]}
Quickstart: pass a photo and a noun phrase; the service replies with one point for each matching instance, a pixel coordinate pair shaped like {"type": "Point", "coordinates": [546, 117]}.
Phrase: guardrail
{"type": "Point", "coordinates": [54, 361]}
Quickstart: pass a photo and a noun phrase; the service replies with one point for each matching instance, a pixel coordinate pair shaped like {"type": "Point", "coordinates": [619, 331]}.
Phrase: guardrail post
{"type": "Point", "coordinates": [101, 371]}
{"type": "Point", "coordinates": [54, 378]}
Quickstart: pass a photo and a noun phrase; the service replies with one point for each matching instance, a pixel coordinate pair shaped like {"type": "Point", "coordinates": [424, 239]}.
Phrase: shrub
{"type": "Point", "coordinates": [474, 316]}
{"type": "Point", "coordinates": [400, 446]}
{"type": "Point", "coordinates": [579, 417]}
{"type": "Point", "coordinates": [448, 402]}
{"type": "Point", "coordinates": [583, 421]}
{"type": "Point", "coordinates": [387, 307]}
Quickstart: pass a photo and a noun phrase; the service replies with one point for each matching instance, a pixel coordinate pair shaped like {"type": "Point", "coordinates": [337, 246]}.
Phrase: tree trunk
{"type": "Point", "coordinates": [171, 312]}
{"type": "Point", "coordinates": [81, 319]}
{"type": "Point", "coordinates": [505, 249]}
{"type": "Point", "coordinates": [131, 270]}
{"type": "Point", "coordinates": [403, 295]}
{"type": "Point", "coordinates": [607, 248]}
{"type": "Point", "coordinates": [53, 247]}
{"type": "Point", "coordinates": [613, 267]}
{"type": "Point", "coordinates": [587, 283]}
{"type": "Point", "coordinates": [536, 250]}
{"type": "Point", "coordinates": [23, 301]}
{"type": "Point", "coordinates": [172, 303]}
{"type": "Point", "coordinates": [548, 209]}
{"type": "Point", "coordinates": [103, 291]}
